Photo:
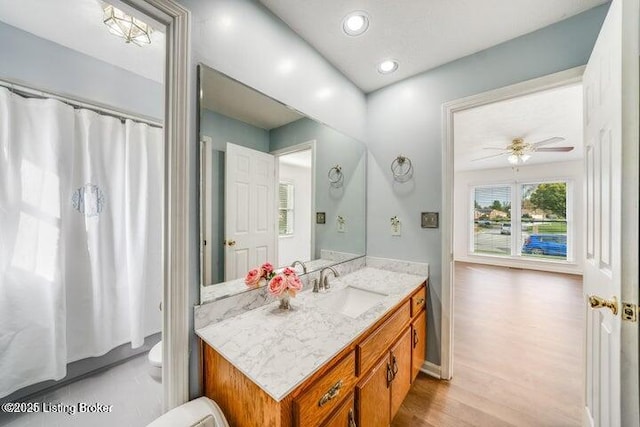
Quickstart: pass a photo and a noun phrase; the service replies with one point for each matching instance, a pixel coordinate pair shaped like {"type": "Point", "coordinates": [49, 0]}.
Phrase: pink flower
{"type": "Point", "coordinates": [294, 284]}
{"type": "Point", "coordinates": [277, 285]}
{"type": "Point", "coordinates": [253, 277]}
{"type": "Point", "coordinates": [267, 268]}
{"type": "Point", "coordinates": [288, 271]}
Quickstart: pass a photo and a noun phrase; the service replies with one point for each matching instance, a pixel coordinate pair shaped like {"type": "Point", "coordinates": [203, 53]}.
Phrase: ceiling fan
{"type": "Point", "coordinates": [520, 151]}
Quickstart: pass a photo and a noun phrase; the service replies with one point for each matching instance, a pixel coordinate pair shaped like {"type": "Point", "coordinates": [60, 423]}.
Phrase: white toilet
{"type": "Point", "coordinates": [155, 362]}
{"type": "Point", "coordinates": [202, 412]}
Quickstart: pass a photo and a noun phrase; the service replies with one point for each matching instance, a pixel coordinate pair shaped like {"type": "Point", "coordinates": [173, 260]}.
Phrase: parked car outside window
{"type": "Point", "coordinates": [505, 229]}
{"type": "Point", "coordinates": [546, 244]}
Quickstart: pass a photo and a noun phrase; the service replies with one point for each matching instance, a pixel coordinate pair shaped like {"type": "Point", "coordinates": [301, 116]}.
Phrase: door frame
{"type": "Point", "coordinates": [178, 173]}
{"type": "Point", "coordinates": [562, 78]}
{"type": "Point", "coordinates": [308, 145]}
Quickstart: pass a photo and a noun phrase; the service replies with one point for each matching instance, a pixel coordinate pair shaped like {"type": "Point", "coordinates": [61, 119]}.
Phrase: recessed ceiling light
{"type": "Point", "coordinates": [387, 66]}
{"type": "Point", "coordinates": [355, 23]}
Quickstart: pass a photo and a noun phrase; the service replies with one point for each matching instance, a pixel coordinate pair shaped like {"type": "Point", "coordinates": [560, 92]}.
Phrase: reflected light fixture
{"type": "Point", "coordinates": [355, 23]}
{"type": "Point", "coordinates": [131, 29]}
{"type": "Point", "coordinates": [387, 66]}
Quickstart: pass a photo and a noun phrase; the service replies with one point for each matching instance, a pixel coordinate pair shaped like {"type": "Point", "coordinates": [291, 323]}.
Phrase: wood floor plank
{"type": "Point", "coordinates": [517, 353]}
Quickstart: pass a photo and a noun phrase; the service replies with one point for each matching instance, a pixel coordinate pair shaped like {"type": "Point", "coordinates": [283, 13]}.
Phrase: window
{"type": "Point", "coordinates": [285, 197]}
{"type": "Point", "coordinates": [538, 230]}
{"type": "Point", "coordinates": [492, 220]}
{"type": "Point", "coordinates": [544, 220]}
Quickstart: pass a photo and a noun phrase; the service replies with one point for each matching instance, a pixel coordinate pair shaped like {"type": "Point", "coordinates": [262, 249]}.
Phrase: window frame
{"type": "Point", "coordinates": [516, 219]}
{"type": "Point", "coordinates": [291, 208]}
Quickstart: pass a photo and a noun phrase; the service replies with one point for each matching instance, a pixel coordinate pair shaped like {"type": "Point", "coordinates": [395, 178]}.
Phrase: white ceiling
{"type": "Point", "coordinates": [556, 112]}
{"type": "Point", "coordinates": [420, 34]}
{"type": "Point", "coordinates": [232, 99]}
{"type": "Point", "coordinates": [77, 24]}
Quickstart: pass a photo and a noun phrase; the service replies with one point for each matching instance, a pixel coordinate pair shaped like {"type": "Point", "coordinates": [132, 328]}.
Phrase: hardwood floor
{"type": "Point", "coordinates": [517, 353]}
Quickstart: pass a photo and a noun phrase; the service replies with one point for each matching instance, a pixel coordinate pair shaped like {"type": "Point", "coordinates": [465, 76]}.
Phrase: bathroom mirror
{"type": "Point", "coordinates": [275, 185]}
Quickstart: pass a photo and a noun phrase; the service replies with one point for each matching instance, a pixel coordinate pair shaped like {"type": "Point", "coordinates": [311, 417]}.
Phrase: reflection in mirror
{"type": "Point", "coordinates": [267, 192]}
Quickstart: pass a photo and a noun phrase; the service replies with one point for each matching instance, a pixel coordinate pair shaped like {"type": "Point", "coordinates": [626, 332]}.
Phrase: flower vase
{"type": "Point", "coordinates": [285, 304]}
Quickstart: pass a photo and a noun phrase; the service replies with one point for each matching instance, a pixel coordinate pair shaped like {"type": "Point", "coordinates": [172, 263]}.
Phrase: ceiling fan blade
{"type": "Point", "coordinates": [495, 148]}
{"type": "Point", "coordinates": [547, 141]}
{"type": "Point", "coordinates": [549, 149]}
{"type": "Point", "coordinates": [489, 157]}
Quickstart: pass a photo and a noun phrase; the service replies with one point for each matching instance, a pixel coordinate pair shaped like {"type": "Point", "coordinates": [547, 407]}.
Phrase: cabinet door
{"type": "Point", "coordinates": [344, 415]}
{"type": "Point", "coordinates": [401, 368]}
{"type": "Point", "coordinates": [419, 344]}
{"type": "Point", "coordinates": [374, 397]}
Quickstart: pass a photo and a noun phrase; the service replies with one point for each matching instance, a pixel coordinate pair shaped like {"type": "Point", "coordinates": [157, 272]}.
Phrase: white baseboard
{"type": "Point", "coordinates": [431, 369]}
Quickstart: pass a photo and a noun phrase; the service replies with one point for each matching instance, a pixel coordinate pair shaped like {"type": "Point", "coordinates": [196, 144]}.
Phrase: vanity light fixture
{"type": "Point", "coordinates": [388, 66]}
{"type": "Point", "coordinates": [355, 23]}
{"type": "Point", "coordinates": [131, 29]}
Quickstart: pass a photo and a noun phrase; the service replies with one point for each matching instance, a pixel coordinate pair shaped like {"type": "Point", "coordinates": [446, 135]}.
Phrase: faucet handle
{"type": "Point", "coordinates": [316, 287]}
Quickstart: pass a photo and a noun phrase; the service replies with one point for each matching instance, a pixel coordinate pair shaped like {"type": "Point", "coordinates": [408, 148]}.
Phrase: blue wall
{"type": "Point", "coordinates": [406, 118]}
{"type": "Point", "coordinates": [34, 61]}
{"type": "Point", "coordinates": [223, 129]}
{"type": "Point", "coordinates": [349, 200]}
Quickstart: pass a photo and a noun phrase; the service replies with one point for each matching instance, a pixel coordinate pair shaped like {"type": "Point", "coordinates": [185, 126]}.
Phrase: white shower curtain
{"type": "Point", "coordinates": [80, 236]}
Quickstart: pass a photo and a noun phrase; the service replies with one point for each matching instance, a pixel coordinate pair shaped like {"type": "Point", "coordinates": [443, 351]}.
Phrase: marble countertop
{"type": "Point", "coordinates": [278, 350]}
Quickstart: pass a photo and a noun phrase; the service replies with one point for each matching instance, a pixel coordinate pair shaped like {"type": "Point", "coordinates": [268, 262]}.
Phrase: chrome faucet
{"type": "Point", "coordinates": [323, 283]}
{"type": "Point", "coordinates": [304, 267]}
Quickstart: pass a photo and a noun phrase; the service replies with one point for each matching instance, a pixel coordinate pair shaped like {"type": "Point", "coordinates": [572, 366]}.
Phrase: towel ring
{"type": "Point", "coordinates": [401, 168]}
{"type": "Point", "coordinates": [335, 175]}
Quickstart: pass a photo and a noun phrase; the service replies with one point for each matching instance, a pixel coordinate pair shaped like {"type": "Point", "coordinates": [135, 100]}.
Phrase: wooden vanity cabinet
{"type": "Point", "coordinates": [380, 394]}
{"type": "Point", "coordinates": [344, 416]}
{"type": "Point", "coordinates": [363, 386]}
{"type": "Point", "coordinates": [418, 344]}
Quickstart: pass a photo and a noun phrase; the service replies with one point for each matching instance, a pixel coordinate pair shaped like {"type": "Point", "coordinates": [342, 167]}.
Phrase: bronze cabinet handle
{"type": "Point", "coordinates": [352, 418]}
{"type": "Point", "coordinates": [389, 374]}
{"type": "Point", "coordinates": [420, 301]}
{"type": "Point", "coordinates": [395, 365]}
{"type": "Point", "coordinates": [333, 392]}
{"type": "Point", "coordinates": [415, 338]}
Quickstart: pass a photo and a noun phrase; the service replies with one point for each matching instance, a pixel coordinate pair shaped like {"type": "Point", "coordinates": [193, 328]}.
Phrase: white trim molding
{"type": "Point", "coordinates": [431, 369]}
{"type": "Point", "coordinates": [563, 78]}
{"type": "Point", "coordinates": [177, 243]}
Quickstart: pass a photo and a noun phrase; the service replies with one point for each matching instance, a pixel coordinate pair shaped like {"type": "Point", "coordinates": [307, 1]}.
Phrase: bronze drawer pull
{"type": "Point", "coordinates": [420, 301]}
{"type": "Point", "coordinates": [333, 392]}
{"type": "Point", "coordinates": [415, 338]}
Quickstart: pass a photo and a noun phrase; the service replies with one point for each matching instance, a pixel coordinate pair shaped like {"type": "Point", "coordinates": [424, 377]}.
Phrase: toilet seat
{"type": "Point", "coordinates": [202, 412]}
{"type": "Point", "coordinates": [155, 355]}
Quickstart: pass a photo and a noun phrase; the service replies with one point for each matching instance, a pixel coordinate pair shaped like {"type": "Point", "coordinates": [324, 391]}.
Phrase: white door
{"type": "Point", "coordinates": [611, 134]}
{"type": "Point", "coordinates": [250, 236]}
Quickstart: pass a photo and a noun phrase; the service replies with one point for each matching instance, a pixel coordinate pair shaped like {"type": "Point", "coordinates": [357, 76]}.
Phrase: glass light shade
{"type": "Point", "coordinates": [131, 29]}
{"type": "Point", "coordinates": [525, 157]}
{"type": "Point", "coordinates": [513, 159]}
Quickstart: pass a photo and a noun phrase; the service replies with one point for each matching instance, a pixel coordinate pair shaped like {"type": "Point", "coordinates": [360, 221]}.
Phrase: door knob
{"type": "Point", "coordinates": [229, 242]}
{"type": "Point", "coordinates": [599, 302]}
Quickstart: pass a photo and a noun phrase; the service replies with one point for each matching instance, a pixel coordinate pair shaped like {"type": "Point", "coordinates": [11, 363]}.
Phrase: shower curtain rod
{"type": "Point", "coordinates": [34, 92]}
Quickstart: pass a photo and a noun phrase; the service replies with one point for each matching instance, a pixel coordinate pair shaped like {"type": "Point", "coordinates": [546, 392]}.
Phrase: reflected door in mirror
{"type": "Point", "coordinates": [250, 215]}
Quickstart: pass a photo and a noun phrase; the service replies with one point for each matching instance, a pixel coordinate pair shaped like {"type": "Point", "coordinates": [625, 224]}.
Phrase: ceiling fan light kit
{"type": "Point", "coordinates": [519, 151]}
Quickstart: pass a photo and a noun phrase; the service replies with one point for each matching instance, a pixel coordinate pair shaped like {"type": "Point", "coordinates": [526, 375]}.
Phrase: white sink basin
{"type": "Point", "coordinates": [351, 301]}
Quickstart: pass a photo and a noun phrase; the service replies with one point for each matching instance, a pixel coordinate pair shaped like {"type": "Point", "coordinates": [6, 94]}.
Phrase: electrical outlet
{"type": "Point", "coordinates": [340, 222]}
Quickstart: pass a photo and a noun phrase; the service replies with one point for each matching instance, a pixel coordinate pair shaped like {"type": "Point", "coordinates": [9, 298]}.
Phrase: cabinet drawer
{"type": "Point", "coordinates": [326, 394]}
{"type": "Point", "coordinates": [418, 301]}
{"type": "Point", "coordinates": [344, 415]}
{"type": "Point", "coordinates": [378, 343]}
